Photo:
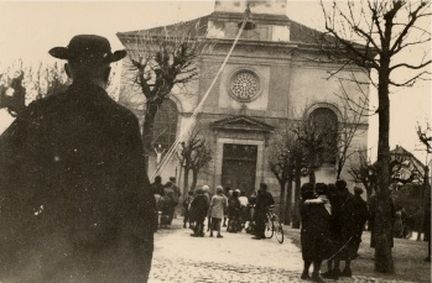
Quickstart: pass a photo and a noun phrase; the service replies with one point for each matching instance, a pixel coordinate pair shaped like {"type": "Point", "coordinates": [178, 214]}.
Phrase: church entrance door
{"type": "Point", "coordinates": [239, 167]}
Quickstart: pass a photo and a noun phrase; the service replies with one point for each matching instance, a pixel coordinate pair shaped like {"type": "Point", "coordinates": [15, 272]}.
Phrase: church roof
{"type": "Point", "coordinates": [200, 24]}
{"type": "Point", "coordinates": [299, 33]}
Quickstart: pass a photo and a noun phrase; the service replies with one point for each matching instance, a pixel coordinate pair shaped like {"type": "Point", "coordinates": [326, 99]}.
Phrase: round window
{"type": "Point", "coordinates": [245, 85]}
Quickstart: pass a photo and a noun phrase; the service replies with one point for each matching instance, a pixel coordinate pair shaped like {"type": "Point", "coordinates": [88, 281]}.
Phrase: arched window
{"type": "Point", "coordinates": [325, 122]}
{"type": "Point", "coordinates": [165, 124]}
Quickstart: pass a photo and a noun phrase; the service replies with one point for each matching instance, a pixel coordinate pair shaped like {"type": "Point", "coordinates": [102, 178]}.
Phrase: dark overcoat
{"type": "Point", "coordinates": [75, 200]}
{"type": "Point", "coordinates": [315, 232]}
{"type": "Point", "coordinates": [199, 208]}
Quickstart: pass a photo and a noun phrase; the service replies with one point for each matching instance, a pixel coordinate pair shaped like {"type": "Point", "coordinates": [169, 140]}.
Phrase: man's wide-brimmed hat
{"type": "Point", "coordinates": [88, 48]}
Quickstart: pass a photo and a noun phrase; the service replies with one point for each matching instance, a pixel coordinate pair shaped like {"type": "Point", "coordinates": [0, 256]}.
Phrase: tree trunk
{"type": "Point", "coordinates": [186, 179]}
{"type": "Point", "coordinates": [312, 177]}
{"type": "Point", "coordinates": [147, 133]}
{"type": "Point", "coordinates": [339, 169]}
{"type": "Point", "coordinates": [383, 217]}
{"type": "Point", "coordinates": [288, 206]}
{"type": "Point", "coordinates": [282, 201]}
{"type": "Point", "coordinates": [296, 212]}
{"type": "Point", "coordinates": [194, 178]}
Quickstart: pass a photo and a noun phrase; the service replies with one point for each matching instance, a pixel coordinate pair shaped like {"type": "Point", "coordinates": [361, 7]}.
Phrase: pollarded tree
{"type": "Point", "coordinates": [163, 59]}
{"type": "Point", "coordinates": [317, 140]}
{"type": "Point", "coordinates": [373, 35]}
{"type": "Point", "coordinates": [282, 162]}
{"type": "Point", "coordinates": [193, 156]}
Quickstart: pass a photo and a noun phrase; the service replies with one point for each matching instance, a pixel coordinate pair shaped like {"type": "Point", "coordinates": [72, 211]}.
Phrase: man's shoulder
{"type": "Point", "coordinates": [124, 113]}
{"type": "Point", "coordinates": [44, 102]}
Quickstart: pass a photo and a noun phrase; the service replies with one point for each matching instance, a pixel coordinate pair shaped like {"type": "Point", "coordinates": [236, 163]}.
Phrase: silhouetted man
{"type": "Point", "coordinates": [359, 217]}
{"type": "Point", "coordinates": [76, 205]}
{"type": "Point", "coordinates": [264, 200]}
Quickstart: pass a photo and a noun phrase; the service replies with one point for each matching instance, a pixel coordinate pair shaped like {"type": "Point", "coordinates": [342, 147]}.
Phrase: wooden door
{"type": "Point", "coordinates": [239, 167]}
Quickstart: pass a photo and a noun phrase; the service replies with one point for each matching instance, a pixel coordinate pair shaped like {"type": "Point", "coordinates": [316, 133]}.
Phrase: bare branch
{"type": "Point", "coordinates": [414, 16]}
{"type": "Point", "coordinates": [409, 66]}
{"type": "Point", "coordinates": [410, 82]}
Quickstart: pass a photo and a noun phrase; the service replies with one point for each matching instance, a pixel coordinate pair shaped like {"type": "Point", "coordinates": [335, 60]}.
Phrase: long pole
{"type": "Point", "coordinates": [198, 109]}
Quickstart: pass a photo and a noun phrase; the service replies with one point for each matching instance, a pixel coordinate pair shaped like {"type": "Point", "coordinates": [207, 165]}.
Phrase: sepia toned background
{"type": "Point", "coordinates": [30, 29]}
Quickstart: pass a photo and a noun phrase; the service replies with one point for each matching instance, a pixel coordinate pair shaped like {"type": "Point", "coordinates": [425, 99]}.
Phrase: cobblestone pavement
{"type": "Point", "coordinates": [179, 258]}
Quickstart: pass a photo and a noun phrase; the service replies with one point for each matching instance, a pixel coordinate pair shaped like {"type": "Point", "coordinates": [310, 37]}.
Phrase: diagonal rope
{"type": "Point", "coordinates": [199, 107]}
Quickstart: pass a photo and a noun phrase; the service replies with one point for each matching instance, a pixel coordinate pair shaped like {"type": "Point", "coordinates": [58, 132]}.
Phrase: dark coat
{"type": "Point", "coordinates": [360, 214]}
{"type": "Point", "coordinates": [199, 207]}
{"type": "Point", "coordinates": [75, 199]}
{"type": "Point", "coordinates": [315, 232]}
{"type": "Point", "coordinates": [263, 201]}
{"type": "Point", "coordinates": [351, 215]}
{"type": "Point", "coordinates": [233, 207]}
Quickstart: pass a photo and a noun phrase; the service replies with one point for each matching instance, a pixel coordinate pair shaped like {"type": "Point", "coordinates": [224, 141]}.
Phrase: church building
{"type": "Point", "coordinates": [269, 81]}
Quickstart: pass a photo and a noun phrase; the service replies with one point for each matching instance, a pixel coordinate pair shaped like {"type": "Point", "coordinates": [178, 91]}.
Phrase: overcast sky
{"type": "Point", "coordinates": [30, 29]}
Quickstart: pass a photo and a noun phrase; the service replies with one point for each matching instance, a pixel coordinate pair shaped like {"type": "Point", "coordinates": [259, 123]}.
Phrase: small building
{"type": "Point", "coordinates": [406, 167]}
{"type": "Point", "coordinates": [269, 81]}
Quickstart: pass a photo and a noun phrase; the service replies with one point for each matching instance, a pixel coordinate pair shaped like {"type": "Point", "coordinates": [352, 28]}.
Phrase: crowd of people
{"type": "Point", "coordinates": [226, 208]}
{"type": "Point", "coordinates": [167, 197]}
{"type": "Point", "coordinates": [332, 224]}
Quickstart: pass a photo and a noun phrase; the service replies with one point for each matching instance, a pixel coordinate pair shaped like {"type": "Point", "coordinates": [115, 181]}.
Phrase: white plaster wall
{"type": "Point", "coordinates": [310, 84]}
{"type": "Point", "coordinates": [280, 33]}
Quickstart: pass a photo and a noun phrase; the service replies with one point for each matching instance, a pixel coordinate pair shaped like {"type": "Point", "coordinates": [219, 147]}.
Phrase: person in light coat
{"type": "Point", "coordinates": [218, 205]}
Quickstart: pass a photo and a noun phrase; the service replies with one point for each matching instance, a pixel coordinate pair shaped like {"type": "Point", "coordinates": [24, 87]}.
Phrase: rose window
{"type": "Point", "coordinates": [245, 85]}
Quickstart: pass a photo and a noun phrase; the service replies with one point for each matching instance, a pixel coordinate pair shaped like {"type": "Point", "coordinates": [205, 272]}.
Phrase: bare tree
{"type": "Point", "coordinates": [371, 35]}
{"type": "Point", "coordinates": [425, 137]}
{"type": "Point", "coordinates": [365, 173]}
{"type": "Point", "coordinates": [200, 158]}
{"type": "Point", "coordinates": [350, 126]}
{"type": "Point", "coordinates": [317, 140]}
{"type": "Point", "coordinates": [193, 156]}
{"type": "Point", "coordinates": [25, 84]}
{"type": "Point", "coordinates": [403, 171]}
{"type": "Point", "coordinates": [161, 61]}
{"type": "Point", "coordinates": [281, 162]}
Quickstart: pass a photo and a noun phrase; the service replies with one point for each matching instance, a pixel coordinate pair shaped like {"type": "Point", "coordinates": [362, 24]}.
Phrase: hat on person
{"type": "Point", "coordinates": [341, 185]}
{"type": "Point", "coordinates": [307, 188]}
{"type": "Point", "coordinates": [321, 188]}
{"type": "Point", "coordinates": [219, 189]}
{"type": "Point", "coordinates": [88, 48]}
{"type": "Point", "coordinates": [358, 190]}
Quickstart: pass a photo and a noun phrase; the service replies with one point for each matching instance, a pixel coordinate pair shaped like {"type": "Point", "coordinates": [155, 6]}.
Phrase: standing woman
{"type": "Point", "coordinates": [314, 231]}
{"type": "Point", "coordinates": [217, 206]}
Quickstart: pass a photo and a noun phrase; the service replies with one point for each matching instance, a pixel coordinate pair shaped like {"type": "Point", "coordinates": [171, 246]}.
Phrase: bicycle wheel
{"type": "Point", "coordinates": [269, 228]}
{"type": "Point", "coordinates": [278, 230]}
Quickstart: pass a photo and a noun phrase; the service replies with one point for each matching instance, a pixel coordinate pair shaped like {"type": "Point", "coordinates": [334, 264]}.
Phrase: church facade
{"type": "Point", "coordinates": [268, 82]}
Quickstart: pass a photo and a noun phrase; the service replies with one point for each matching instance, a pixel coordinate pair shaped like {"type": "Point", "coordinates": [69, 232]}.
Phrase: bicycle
{"type": "Point", "coordinates": [273, 226]}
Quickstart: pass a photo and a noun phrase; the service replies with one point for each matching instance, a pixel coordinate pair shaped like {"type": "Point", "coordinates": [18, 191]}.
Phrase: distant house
{"type": "Point", "coordinates": [406, 167]}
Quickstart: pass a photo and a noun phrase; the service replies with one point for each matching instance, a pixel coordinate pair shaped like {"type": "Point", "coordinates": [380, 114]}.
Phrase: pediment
{"type": "Point", "coordinates": [241, 123]}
